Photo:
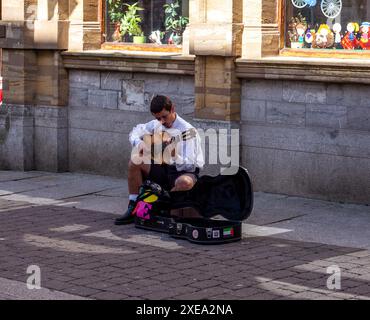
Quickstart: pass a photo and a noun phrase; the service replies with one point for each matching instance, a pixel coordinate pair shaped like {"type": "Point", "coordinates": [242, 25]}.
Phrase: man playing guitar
{"type": "Point", "coordinates": [179, 171]}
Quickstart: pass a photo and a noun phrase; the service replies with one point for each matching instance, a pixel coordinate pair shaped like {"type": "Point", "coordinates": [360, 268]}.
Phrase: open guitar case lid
{"type": "Point", "coordinates": [229, 196]}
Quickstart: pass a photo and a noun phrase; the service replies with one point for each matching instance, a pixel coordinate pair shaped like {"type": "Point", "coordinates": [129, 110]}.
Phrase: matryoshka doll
{"type": "Point", "coordinates": [301, 29]}
{"type": "Point", "coordinates": [337, 28]}
{"type": "Point", "coordinates": [350, 40]}
{"type": "Point", "coordinates": [364, 38]}
{"type": "Point", "coordinates": [309, 37]}
{"type": "Point", "coordinates": [324, 37]}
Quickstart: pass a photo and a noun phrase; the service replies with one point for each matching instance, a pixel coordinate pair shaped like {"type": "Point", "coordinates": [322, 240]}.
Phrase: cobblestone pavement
{"type": "Point", "coordinates": [82, 254]}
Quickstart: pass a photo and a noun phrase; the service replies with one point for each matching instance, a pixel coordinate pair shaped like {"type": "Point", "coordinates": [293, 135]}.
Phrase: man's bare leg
{"type": "Point", "coordinates": [136, 174]}
{"type": "Point", "coordinates": [183, 183]}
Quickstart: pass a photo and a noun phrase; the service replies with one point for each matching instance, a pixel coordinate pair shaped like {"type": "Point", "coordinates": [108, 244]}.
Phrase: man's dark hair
{"type": "Point", "coordinates": [159, 103]}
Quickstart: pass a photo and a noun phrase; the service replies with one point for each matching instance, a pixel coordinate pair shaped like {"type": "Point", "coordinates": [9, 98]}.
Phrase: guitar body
{"type": "Point", "coordinates": [162, 145]}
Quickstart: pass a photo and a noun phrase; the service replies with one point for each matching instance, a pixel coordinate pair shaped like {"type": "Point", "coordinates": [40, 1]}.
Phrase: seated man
{"type": "Point", "coordinates": [180, 172]}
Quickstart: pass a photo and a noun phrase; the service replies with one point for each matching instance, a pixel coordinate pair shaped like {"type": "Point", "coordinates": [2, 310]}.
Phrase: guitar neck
{"type": "Point", "coordinates": [183, 136]}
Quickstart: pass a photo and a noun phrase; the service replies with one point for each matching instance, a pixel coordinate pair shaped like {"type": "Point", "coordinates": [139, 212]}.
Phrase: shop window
{"type": "Point", "coordinates": [328, 25]}
{"type": "Point", "coordinates": [144, 22]}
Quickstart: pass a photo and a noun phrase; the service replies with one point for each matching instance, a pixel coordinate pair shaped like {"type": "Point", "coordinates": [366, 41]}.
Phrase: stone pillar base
{"type": "Point", "coordinates": [221, 141]}
{"type": "Point", "coordinates": [33, 138]}
{"type": "Point", "coordinates": [16, 138]}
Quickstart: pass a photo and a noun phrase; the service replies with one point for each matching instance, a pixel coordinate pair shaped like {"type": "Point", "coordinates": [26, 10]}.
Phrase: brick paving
{"type": "Point", "coordinates": [80, 252]}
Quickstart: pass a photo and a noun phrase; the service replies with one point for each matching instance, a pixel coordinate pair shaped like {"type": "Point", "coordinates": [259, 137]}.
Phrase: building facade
{"type": "Point", "coordinates": [280, 72]}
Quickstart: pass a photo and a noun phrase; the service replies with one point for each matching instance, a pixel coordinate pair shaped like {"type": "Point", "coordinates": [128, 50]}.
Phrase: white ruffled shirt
{"type": "Point", "coordinates": [189, 154]}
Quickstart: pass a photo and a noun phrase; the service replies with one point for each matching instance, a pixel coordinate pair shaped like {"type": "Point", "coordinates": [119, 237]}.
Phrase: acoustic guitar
{"type": "Point", "coordinates": [162, 145]}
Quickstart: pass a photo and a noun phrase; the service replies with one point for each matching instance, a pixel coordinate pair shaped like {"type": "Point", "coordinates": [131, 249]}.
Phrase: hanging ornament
{"type": "Point", "coordinates": [299, 3]}
{"type": "Point", "coordinates": [331, 8]}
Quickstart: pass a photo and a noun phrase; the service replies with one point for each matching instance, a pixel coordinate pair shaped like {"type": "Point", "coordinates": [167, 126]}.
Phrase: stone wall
{"type": "Point", "coordinates": [307, 138]}
{"type": "Point", "coordinates": [104, 107]}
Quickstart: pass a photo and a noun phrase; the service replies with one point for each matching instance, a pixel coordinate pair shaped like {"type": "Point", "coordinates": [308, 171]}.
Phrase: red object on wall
{"type": "Point", "coordinates": [1, 91]}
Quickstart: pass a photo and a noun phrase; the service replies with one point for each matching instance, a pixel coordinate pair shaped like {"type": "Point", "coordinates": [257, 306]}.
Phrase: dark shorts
{"type": "Point", "coordinates": [166, 175]}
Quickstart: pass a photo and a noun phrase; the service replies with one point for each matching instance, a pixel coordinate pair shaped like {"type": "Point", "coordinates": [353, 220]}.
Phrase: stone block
{"type": "Point", "coordinates": [269, 90]}
{"type": "Point", "coordinates": [113, 80]}
{"type": "Point", "coordinates": [353, 95]}
{"type": "Point", "coordinates": [132, 97]}
{"type": "Point", "coordinates": [220, 11]}
{"type": "Point", "coordinates": [328, 116]}
{"type": "Point", "coordinates": [345, 143]}
{"type": "Point", "coordinates": [37, 139]}
{"type": "Point", "coordinates": [160, 84]}
{"type": "Point", "coordinates": [253, 110]}
{"type": "Point", "coordinates": [322, 176]}
{"type": "Point", "coordinates": [63, 10]}
{"type": "Point", "coordinates": [91, 10]}
{"type": "Point", "coordinates": [52, 79]}
{"type": "Point", "coordinates": [51, 34]}
{"type": "Point", "coordinates": [51, 148]}
{"type": "Point", "coordinates": [269, 11]}
{"type": "Point", "coordinates": [16, 10]}
{"type": "Point", "coordinates": [91, 36]}
{"type": "Point", "coordinates": [252, 12]}
{"type": "Point", "coordinates": [107, 120]}
{"type": "Point", "coordinates": [51, 117]}
{"type": "Point", "coordinates": [184, 104]}
{"type": "Point", "coordinates": [215, 39]}
{"type": "Point", "coordinates": [75, 36]}
{"type": "Point", "coordinates": [78, 97]}
{"type": "Point", "coordinates": [102, 99]}
{"type": "Point", "coordinates": [187, 85]}
{"type": "Point", "coordinates": [304, 92]}
{"type": "Point", "coordinates": [84, 79]}
{"type": "Point", "coordinates": [219, 145]}
{"type": "Point", "coordinates": [285, 113]}
{"type": "Point", "coordinates": [270, 43]}
{"type": "Point", "coordinates": [16, 139]}
{"type": "Point", "coordinates": [252, 42]}
{"type": "Point", "coordinates": [19, 70]}
{"type": "Point", "coordinates": [335, 93]}
{"type": "Point", "coordinates": [358, 118]}
{"type": "Point", "coordinates": [99, 152]}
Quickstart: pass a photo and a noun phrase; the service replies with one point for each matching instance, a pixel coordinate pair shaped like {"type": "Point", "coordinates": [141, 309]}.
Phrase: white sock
{"type": "Point", "coordinates": [132, 197]}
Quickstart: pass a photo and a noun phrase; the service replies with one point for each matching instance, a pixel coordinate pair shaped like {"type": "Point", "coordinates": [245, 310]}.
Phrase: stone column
{"type": "Point", "coordinates": [216, 28]}
{"type": "Point", "coordinates": [85, 30]}
{"type": "Point", "coordinates": [215, 38]}
{"type": "Point", "coordinates": [261, 36]}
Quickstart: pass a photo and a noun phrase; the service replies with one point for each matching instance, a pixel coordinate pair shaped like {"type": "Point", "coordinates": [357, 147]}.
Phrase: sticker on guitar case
{"type": "Point", "coordinates": [143, 209]}
{"type": "Point", "coordinates": [228, 232]}
{"type": "Point", "coordinates": [195, 234]}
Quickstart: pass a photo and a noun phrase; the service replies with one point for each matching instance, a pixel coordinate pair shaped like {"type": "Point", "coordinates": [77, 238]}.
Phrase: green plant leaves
{"type": "Point", "coordinates": [127, 15]}
{"type": "Point", "coordinates": [174, 22]}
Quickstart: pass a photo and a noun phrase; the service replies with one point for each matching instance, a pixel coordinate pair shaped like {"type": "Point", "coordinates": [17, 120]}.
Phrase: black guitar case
{"type": "Point", "coordinates": [230, 196]}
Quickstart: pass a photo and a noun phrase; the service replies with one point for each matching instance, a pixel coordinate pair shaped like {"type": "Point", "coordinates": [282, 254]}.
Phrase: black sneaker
{"type": "Point", "coordinates": [128, 216]}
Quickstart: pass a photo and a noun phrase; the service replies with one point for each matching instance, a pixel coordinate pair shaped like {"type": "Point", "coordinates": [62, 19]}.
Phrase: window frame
{"type": "Point", "coordinates": [128, 46]}
{"type": "Point", "coordinates": [313, 53]}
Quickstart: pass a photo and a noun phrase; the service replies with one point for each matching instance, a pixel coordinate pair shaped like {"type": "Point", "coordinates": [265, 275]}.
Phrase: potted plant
{"type": "Point", "coordinates": [116, 13]}
{"type": "Point", "coordinates": [130, 23]}
{"type": "Point", "coordinates": [175, 22]}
